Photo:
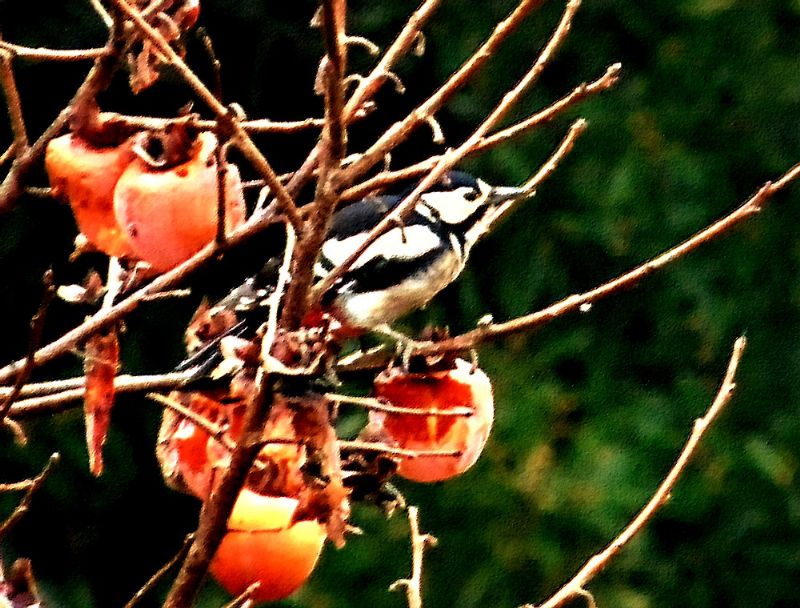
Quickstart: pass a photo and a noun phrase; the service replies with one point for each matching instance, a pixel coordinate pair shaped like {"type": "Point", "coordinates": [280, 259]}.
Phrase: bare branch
{"type": "Point", "coordinates": [9, 85]}
{"type": "Point", "coordinates": [598, 562]}
{"type": "Point", "coordinates": [405, 40]}
{"type": "Point", "coordinates": [262, 125]}
{"type": "Point", "coordinates": [450, 158]}
{"type": "Point", "coordinates": [413, 585]}
{"type": "Point", "coordinates": [385, 178]}
{"type": "Point", "coordinates": [585, 300]}
{"type": "Point", "coordinates": [565, 147]}
{"type": "Point", "coordinates": [17, 51]}
{"type": "Point", "coordinates": [334, 142]}
{"type": "Point", "coordinates": [37, 327]}
{"type": "Point", "coordinates": [333, 27]}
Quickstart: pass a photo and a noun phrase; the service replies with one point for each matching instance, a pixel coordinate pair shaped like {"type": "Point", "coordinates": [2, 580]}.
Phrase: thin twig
{"type": "Point", "coordinates": [97, 5]}
{"type": "Point", "coordinates": [16, 486]}
{"type": "Point", "coordinates": [382, 448]}
{"type": "Point", "coordinates": [452, 157]}
{"type": "Point", "coordinates": [8, 154]}
{"type": "Point", "coordinates": [159, 574]}
{"type": "Point", "coordinates": [244, 599]}
{"type": "Point", "coordinates": [240, 137]}
{"type": "Point", "coordinates": [215, 431]}
{"type": "Point", "coordinates": [565, 147]}
{"type": "Point", "coordinates": [122, 384]}
{"type": "Point", "coordinates": [37, 327]}
{"type": "Point", "coordinates": [581, 92]}
{"type": "Point", "coordinates": [261, 125]}
{"type": "Point", "coordinates": [585, 300]}
{"type": "Point", "coordinates": [598, 562]}
{"type": "Point", "coordinates": [9, 85]}
{"type": "Point", "coordinates": [274, 300]}
{"type": "Point", "coordinates": [413, 585]}
{"type": "Point", "coordinates": [17, 51]}
{"type": "Point", "coordinates": [24, 504]}
{"type": "Point", "coordinates": [382, 406]}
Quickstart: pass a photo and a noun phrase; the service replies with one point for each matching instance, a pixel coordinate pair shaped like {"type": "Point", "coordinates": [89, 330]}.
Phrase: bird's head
{"type": "Point", "coordinates": [467, 205]}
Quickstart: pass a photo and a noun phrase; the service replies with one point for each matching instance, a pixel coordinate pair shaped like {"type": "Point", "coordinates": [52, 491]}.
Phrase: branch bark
{"type": "Point", "coordinates": [576, 586]}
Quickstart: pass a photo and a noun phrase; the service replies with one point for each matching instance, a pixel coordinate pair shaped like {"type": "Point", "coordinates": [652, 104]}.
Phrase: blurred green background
{"type": "Point", "coordinates": [592, 410]}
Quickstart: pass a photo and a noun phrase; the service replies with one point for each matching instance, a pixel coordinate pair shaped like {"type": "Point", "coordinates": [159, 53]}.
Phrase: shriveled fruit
{"type": "Point", "coordinates": [86, 176]}
{"type": "Point", "coordinates": [169, 214]}
{"type": "Point", "coordinates": [262, 544]}
{"type": "Point", "coordinates": [443, 390]}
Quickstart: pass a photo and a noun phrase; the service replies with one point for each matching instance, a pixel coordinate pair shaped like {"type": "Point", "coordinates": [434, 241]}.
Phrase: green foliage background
{"type": "Point", "coordinates": [593, 409]}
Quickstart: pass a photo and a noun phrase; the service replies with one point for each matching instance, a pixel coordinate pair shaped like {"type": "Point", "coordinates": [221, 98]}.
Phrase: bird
{"type": "Point", "coordinates": [401, 271]}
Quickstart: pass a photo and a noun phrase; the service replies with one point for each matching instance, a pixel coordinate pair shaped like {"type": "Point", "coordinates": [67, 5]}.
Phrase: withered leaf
{"type": "Point", "coordinates": [100, 365]}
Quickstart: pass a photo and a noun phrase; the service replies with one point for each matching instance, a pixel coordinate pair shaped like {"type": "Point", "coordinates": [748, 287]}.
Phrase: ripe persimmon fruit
{"type": "Point", "coordinates": [169, 213]}
{"type": "Point", "coordinates": [85, 176]}
{"type": "Point", "coordinates": [464, 385]}
{"type": "Point", "coordinates": [263, 544]}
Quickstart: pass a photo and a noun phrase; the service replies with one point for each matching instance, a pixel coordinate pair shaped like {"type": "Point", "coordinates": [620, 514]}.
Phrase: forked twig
{"type": "Point", "coordinates": [413, 585]}
{"type": "Point", "coordinates": [22, 508]}
{"type": "Point", "coordinates": [576, 585]}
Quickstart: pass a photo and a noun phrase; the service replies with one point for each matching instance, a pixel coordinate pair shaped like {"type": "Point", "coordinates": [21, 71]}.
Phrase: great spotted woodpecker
{"type": "Point", "coordinates": [400, 272]}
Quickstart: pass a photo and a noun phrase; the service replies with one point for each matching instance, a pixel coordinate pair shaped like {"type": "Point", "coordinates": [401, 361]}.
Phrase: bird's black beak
{"type": "Point", "coordinates": [503, 199]}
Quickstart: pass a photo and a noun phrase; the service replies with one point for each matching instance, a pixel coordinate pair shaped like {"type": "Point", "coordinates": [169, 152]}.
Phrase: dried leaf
{"type": "Point", "coordinates": [100, 366]}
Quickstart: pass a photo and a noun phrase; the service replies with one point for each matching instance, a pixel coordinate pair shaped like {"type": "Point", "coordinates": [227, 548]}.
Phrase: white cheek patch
{"type": "Point", "coordinates": [453, 206]}
{"type": "Point", "coordinates": [404, 243]}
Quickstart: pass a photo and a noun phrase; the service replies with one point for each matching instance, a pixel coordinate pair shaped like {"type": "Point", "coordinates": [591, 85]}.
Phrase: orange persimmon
{"type": "Point", "coordinates": [263, 544]}
{"type": "Point", "coordinates": [464, 386]}
{"type": "Point", "coordinates": [85, 176]}
{"type": "Point", "coordinates": [169, 213]}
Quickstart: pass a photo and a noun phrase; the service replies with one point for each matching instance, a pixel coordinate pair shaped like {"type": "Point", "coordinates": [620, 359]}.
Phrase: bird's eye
{"type": "Point", "coordinates": [472, 195]}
